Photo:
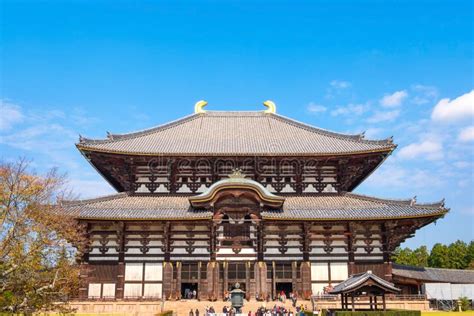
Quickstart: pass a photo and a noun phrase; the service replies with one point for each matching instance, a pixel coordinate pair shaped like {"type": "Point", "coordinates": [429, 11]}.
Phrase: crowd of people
{"type": "Point", "coordinates": [190, 294]}
{"type": "Point", "coordinates": [262, 311]}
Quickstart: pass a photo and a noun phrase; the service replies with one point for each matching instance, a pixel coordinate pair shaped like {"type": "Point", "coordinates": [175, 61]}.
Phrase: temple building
{"type": "Point", "coordinates": [220, 197]}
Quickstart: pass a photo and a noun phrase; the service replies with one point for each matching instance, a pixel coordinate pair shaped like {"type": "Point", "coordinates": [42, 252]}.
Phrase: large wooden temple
{"type": "Point", "coordinates": [218, 197]}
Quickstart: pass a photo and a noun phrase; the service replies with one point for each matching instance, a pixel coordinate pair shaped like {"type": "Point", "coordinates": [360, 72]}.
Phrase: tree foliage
{"type": "Point", "coordinates": [417, 257]}
{"type": "Point", "coordinates": [38, 243]}
{"type": "Point", "coordinates": [457, 255]}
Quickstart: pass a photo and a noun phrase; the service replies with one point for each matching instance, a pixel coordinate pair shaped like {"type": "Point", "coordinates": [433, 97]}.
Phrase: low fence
{"type": "Point", "coordinates": [401, 301]}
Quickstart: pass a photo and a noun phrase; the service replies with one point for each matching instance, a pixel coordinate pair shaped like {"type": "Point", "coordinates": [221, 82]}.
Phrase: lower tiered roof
{"type": "Point", "coordinates": [325, 207]}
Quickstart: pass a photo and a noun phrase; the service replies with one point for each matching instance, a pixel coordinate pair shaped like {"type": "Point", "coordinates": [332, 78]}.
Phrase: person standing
{"type": "Point", "coordinates": [191, 313]}
{"type": "Point", "coordinates": [197, 312]}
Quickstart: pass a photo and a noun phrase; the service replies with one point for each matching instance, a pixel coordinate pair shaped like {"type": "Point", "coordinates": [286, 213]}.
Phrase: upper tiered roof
{"type": "Point", "coordinates": [230, 133]}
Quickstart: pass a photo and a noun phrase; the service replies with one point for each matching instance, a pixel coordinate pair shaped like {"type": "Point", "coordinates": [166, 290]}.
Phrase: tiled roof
{"type": "Point", "coordinates": [351, 206]}
{"type": "Point", "coordinates": [357, 280]}
{"type": "Point", "coordinates": [434, 275]}
{"type": "Point", "coordinates": [124, 206]}
{"type": "Point", "coordinates": [235, 133]}
{"type": "Point", "coordinates": [345, 206]}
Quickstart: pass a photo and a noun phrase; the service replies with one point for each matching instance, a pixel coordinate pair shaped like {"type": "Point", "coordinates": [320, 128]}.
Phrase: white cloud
{"type": "Point", "coordinates": [316, 108]}
{"type": "Point", "coordinates": [424, 94]}
{"type": "Point", "coordinates": [467, 134]}
{"type": "Point", "coordinates": [383, 116]}
{"type": "Point", "coordinates": [393, 100]}
{"type": "Point", "coordinates": [340, 84]}
{"type": "Point", "coordinates": [458, 109]}
{"type": "Point", "coordinates": [395, 176]}
{"type": "Point", "coordinates": [351, 109]}
{"type": "Point", "coordinates": [10, 114]}
{"type": "Point", "coordinates": [428, 149]}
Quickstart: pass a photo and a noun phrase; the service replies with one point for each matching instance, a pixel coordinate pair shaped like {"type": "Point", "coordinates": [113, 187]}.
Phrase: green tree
{"type": "Point", "coordinates": [406, 256]}
{"type": "Point", "coordinates": [439, 256]}
{"type": "Point", "coordinates": [421, 256]}
{"type": "Point", "coordinates": [402, 255]}
{"type": "Point", "coordinates": [458, 255]}
{"type": "Point", "coordinates": [470, 255]}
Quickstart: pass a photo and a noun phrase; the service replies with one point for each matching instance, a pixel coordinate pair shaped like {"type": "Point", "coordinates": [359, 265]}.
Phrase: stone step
{"type": "Point", "coordinates": [183, 307]}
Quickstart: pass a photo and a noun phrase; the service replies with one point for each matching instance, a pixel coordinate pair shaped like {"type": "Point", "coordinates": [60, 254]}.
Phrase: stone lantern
{"type": "Point", "coordinates": [237, 298]}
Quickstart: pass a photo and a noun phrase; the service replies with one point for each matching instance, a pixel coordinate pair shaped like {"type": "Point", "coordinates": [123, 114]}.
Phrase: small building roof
{"type": "Point", "coordinates": [227, 133]}
{"type": "Point", "coordinates": [433, 275]}
{"type": "Point", "coordinates": [237, 181]}
{"type": "Point", "coordinates": [357, 281]}
{"type": "Point", "coordinates": [334, 206]}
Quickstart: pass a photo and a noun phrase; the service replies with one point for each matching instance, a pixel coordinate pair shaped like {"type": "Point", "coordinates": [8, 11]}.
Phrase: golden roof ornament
{"type": "Point", "coordinates": [237, 173]}
{"type": "Point", "coordinates": [271, 106]}
{"type": "Point", "coordinates": [198, 107]}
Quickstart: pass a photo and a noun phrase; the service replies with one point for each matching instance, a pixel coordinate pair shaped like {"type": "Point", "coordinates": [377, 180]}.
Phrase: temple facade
{"type": "Point", "coordinates": [218, 197]}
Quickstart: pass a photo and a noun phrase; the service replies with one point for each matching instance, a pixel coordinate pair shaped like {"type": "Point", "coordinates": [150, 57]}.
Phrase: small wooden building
{"type": "Point", "coordinates": [366, 286]}
{"type": "Point", "coordinates": [218, 197]}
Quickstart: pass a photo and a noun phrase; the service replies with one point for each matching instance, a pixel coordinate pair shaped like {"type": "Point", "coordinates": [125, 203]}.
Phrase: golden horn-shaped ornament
{"type": "Point", "coordinates": [198, 107]}
{"type": "Point", "coordinates": [271, 107]}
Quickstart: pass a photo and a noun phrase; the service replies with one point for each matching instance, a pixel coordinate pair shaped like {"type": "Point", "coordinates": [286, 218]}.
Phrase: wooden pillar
{"type": "Point", "coordinates": [119, 289]}
{"type": "Point", "coordinates": [213, 240]}
{"type": "Point", "coordinates": [167, 280]}
{"type": "Point", "coordinates": [199, 289]}
{"type": "Point", "coordinates": [178, 279]}
{"type": "Point", "coordinates": [84, 280]}
{"type": "Point", "coordinates": [226, 276]}
{"type": "Point", "coordinates": [342, 301]}
{"type": "Point", "coordinates": [273, 280]}
{"type": "Point", "coordinates": [352, 301]}
{"type": "Point", "coordinates": [386, 253]}
{"type": "Point", "coordinates": [305, 270]}
{"type": "Point", "coordinates": [370, 300]}
{"type": "Point", "coordinates": [84, 267]}
{"type": "Point", "coordinates": [167, 241]}
{"type": "Point", "coordinates": [306, 240]}
{"type": "Point", "coordinates": [260, 242]}
{"type": "Point", "coordinates": [383, 302]}
{"type": "Point", "coordinates": [375, 302]}
{"type": "Point", "coordinates": [212, 280]}
{"type": "Point", "coordinates": [260, 271]}
{"type": "Point", "coordinates": [247, 280]}
{"type": "Point", "coordinates": [350, 248]}
{"type": "Point", "coordinates": [294, 275]}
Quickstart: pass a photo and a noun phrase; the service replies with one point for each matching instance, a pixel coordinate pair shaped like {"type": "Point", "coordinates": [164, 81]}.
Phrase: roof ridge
{"type": "Point", "coordinates": [358, 138]}
{"type": "Point", "coordinates": [408, 202]}
{"type": "Point", "coordinates": [97, 199]}
{"type": "Point", "coordinates": [353, 137]}
{"type": "Point", "coordinates": [430, 268]}
{"type": "Point", "coordinates": [378, 199]}
{"type": "Point", "coordinates": [114, 137]}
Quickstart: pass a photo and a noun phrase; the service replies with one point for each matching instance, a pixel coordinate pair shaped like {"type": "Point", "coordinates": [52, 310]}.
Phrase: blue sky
{"type": "Point", "coordinates": [401, 68]}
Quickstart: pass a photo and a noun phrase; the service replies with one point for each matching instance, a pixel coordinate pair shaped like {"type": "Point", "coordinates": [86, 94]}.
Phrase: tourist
{"type": "Point", "coordinates": [191, 313]}
{"type": "Point", "coordinates": [194, 294]}
{"type": "Point", "coordinates": [196, 313]}
{"type": "Point", "coordinates": [212, 311]}
{"type": "Point", "coordinates": [224, 310]}
{"type": "Point", "coordinates": [294, 299]}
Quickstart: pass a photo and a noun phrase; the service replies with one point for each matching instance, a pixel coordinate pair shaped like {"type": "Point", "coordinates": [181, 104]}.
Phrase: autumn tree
{"type": "Point", "coordinates": [38, 243]}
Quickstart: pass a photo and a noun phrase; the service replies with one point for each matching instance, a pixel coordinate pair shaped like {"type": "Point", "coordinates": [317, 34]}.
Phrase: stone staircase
{"type": "Point", "coordinates": [182, 308]}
